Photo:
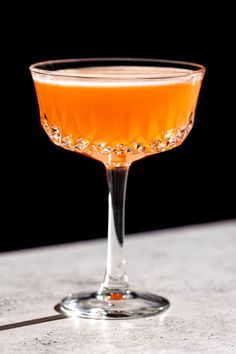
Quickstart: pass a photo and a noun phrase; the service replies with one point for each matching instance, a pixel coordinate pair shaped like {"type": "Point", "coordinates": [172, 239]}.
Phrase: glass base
{"type": "Point", "coordinates": [114, 305]}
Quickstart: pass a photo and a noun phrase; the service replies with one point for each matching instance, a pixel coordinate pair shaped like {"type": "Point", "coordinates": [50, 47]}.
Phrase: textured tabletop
{"type": "Point", "coordinates": [194, 267]}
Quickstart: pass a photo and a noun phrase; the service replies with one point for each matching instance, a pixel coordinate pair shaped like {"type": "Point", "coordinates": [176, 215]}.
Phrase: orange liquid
{"type": "Point", "coordinates": [115, 121]}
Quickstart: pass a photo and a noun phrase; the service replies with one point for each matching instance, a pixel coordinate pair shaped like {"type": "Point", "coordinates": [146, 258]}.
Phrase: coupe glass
{"type": "Point", "coordinates": [116, 110]}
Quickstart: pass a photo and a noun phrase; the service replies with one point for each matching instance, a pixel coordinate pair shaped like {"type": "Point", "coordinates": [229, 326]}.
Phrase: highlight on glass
{"type": "Point", "coordinates": [116, 110]}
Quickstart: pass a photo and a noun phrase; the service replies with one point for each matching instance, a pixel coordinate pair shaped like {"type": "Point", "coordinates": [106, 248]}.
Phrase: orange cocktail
{"type": "Point", "coordinates": [118, 114]}
{"type": "Point", "coordinates": [117, 111]}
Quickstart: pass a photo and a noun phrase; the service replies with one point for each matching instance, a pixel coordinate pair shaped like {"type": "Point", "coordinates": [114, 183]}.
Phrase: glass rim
{"type": "Point", "coordinates": [194, 67]}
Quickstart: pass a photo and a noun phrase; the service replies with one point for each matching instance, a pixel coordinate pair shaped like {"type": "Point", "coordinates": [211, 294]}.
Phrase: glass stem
{"type": "Point", "coordinates": [115, 277]}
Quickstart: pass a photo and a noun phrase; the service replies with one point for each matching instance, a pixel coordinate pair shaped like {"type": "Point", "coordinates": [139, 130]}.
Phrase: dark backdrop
{"type": "Point", "coordinates": [50, 195]}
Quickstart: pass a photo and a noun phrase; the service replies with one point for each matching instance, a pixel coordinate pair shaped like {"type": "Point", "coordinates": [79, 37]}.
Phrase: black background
{"type": "Point", "coordinates": [50, 195]}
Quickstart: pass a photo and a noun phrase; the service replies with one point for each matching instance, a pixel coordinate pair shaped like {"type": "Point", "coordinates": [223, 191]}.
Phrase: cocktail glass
{"type": "Point", "coordinates": [116, 111]}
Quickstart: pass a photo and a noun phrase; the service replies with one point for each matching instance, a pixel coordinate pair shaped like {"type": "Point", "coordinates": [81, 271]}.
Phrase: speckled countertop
{"type": "Point", "coordinates": [194, 267]}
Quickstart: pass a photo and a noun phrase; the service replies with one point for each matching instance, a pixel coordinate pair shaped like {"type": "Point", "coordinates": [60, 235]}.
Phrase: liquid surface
{"type": "Point", "coordinates": [118, 114]}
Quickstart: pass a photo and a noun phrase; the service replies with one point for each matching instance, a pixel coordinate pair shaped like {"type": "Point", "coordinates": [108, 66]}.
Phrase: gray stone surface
{"type": "Point", "coordinates": [194, 267]}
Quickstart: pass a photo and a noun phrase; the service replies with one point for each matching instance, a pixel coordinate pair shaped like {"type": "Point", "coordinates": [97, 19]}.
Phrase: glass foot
{"type": "Point", "coordinates": [114, 305]}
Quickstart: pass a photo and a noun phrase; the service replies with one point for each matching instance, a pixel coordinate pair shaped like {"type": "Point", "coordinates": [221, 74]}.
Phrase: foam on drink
{"type": "Point", "coordinates": [116, 76]}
